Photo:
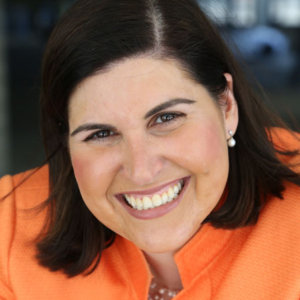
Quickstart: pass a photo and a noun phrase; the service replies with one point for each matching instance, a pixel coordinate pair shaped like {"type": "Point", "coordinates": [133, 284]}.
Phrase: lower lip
{"type": "Point", "coordinates": [156, 212]}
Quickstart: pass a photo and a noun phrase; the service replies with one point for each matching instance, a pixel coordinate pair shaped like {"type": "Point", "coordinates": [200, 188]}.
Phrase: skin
{"type": "Point", "coordinates": [145, 153]}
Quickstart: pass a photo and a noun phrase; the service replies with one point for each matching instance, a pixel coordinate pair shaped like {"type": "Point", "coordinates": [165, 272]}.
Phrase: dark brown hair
{"type": "Point", "coordinates": [92, 35]}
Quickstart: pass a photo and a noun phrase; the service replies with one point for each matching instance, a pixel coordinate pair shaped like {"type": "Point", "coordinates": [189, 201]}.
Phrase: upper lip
{"type": "Point", "coordinates": [154, 190]}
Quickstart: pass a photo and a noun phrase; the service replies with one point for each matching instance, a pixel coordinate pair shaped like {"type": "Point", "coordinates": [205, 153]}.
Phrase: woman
{"type": "Point", "coordinates": [165, 171]}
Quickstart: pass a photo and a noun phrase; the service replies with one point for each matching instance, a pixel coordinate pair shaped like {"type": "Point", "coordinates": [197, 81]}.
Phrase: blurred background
{"type": "Point", "coordinates": [266, 35]}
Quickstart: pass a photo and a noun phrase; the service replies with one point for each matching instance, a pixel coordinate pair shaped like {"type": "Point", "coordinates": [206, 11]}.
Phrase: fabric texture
{"type": "Point", "coordinates": [259, 262]}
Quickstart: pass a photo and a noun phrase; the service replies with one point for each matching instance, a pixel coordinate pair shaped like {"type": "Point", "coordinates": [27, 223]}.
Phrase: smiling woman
{"type": "Point", "coordinates": [147, 147]}
{"type": "Point", "coordinates": [164, 170]}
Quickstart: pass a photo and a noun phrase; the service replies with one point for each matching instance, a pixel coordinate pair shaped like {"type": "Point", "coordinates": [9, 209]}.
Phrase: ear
{"type": "Point", "coordinates": [229, 107]}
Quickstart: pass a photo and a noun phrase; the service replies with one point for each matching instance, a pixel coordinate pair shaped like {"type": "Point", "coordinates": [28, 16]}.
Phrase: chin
{"type": "Point", "coordinates": [166, 244]}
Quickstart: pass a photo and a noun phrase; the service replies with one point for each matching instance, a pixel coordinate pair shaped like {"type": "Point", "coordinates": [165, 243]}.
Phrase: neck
{"type": "Point", "coordinates": [164, 269]}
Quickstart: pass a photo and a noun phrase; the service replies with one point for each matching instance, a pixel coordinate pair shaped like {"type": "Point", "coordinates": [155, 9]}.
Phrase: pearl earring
{"type": "Point", "coordinates": [231, 142]}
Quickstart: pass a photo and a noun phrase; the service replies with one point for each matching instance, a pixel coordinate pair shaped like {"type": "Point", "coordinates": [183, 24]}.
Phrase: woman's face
{"type": "Point", "coordinates": [143, 130]}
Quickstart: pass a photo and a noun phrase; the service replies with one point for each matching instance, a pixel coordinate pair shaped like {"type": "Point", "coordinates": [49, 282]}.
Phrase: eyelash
{"type": "Point", "coordinates": [95, 135]}
{"type": "Point", "coordinates": [169, 117]}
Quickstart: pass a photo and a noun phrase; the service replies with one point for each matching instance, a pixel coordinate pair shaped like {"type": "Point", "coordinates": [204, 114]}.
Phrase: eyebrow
{"type": "Point", "coordinates": [167, 104]}
{"type": "Point", "coordinates": [156, 109]}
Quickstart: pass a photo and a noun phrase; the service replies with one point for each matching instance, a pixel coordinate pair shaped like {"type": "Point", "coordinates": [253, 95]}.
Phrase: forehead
{"type": "Point", "coordinates": [131, 84]}
{"type": "Point", "coordinates": [133, 70]}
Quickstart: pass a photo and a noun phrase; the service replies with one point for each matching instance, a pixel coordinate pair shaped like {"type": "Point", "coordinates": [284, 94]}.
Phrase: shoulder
{"type": "Point", "coordinates": [284, 213]}
{"type": "Point", "coordinates": [19, 196]}
{"type": "Point", "coordinates": [267, 253]}
{"type": "Point", "coordinates": [26, 189]}
{"type": "Point", "coordinates": [30, 179]}
{"type": "Point", "coordinates": [278, 230]}
{"type": "Point", "coordinates": [18, 226]}
{"type": "Point", "coordinates": [285, 140]}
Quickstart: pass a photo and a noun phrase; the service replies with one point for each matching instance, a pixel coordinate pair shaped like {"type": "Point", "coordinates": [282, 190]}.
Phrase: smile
{"type": "Point", "coordinates": [155, 200]}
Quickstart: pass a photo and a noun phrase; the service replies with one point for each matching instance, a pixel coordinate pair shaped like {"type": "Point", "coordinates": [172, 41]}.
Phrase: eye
{"type": "Point", "coordinates": [166, 118]}
{"type": "Point", "coordinates": [100, 135]}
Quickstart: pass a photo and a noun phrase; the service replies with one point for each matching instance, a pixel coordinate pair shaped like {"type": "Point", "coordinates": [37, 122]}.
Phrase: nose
{"type": "Point", "coordinates": [142, 161]}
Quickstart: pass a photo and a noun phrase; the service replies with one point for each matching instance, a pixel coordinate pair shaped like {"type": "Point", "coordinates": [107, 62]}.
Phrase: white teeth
{"type": "Point", "coordinates": [156, 200]}
{"type": "Point", "coordinates": [132, 202]}
{"type": "Point", "coordinates": [164, 198]}
{"type": "Point", "coordinates": [128, 199]}
{"type": "Point", "coordinates": [176, 189]}
{"type": "Point", "coordinates": [171, 193]}
{"type": "Point", "coordinates": [139, 204]}
{"type": "Point", "coordinates": [147, 203]}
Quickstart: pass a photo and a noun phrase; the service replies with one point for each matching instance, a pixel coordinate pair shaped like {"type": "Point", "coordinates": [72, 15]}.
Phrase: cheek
{"type": "Point", "coordinates": [81, 171]}
{"type": "Point", "coordinates": [213, 146]}
{"type": "Point", "coordinates": [93, 173]}
{"type": "Point", "coordinates": [202, 146]}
